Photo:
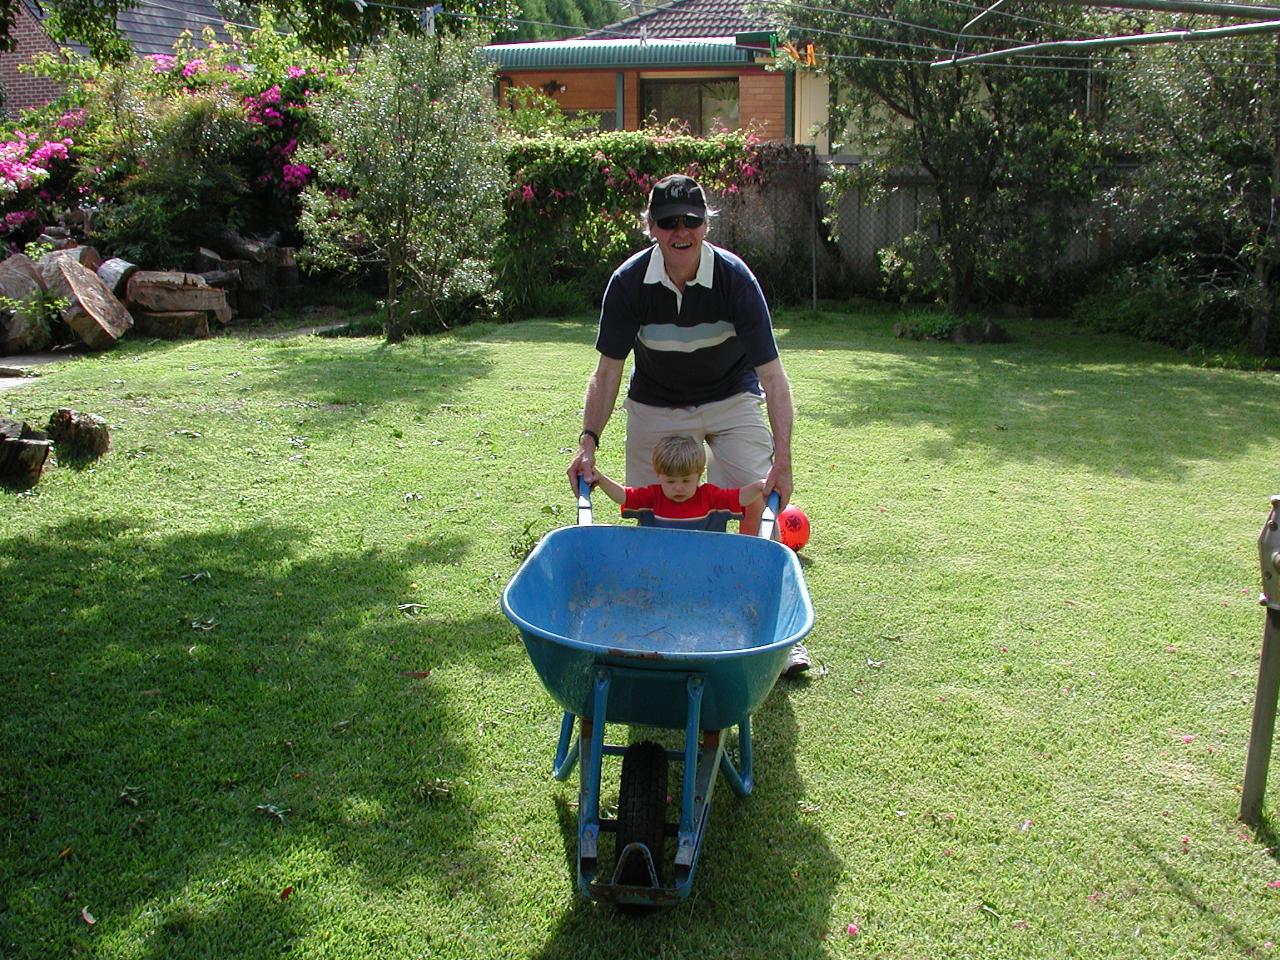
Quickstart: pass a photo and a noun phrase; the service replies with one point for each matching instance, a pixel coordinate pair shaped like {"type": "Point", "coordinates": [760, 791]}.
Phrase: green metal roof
{"type": "Point", "coordinates": [702, 52]}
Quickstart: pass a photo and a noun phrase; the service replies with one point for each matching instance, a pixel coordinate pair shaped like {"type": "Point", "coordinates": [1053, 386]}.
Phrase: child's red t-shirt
{"type": "Point", "coordinates": [710, 508]}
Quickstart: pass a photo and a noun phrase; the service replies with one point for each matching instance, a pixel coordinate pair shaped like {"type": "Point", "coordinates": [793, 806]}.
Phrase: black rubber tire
{"type": "Point", "coordinates": [642, 809]}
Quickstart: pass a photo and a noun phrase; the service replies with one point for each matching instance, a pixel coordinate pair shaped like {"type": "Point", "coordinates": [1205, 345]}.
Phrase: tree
{"type": "Point", "coordinates": [327, 25]}
{"type": "Point", "coordinates": [1204, 122]}
{"type": "Point", "coordinates": [1007, 148]}
{"type": "Point", "coordinates": [412, 178]}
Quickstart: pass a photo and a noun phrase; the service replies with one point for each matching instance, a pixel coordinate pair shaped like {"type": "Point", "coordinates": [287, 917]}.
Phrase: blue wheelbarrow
{"type": "Point", "coordinates": [673, 629]}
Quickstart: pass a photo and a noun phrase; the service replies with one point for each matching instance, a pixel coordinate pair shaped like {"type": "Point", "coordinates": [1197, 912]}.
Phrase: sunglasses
{"type": "Point", "coordinates": [690, 221]}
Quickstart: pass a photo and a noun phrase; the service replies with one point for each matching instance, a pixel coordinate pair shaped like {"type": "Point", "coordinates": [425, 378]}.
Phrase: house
{"type": "Point", "coordinates": [150, 27]}
{"type": "Point", "coordinates": [705, 63]}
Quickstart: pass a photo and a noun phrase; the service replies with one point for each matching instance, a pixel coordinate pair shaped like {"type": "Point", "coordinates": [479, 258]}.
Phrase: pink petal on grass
{"type": "Point", "coordinates": [1274, 884]}
{"type": "Point", "coordinates": [87, 917]}
{"type": "Point", "coordinates": [853, 930]}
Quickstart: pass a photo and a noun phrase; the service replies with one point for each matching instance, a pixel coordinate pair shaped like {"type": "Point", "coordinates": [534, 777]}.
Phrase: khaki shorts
{"type": "Point", "coordinates": [734, 430]}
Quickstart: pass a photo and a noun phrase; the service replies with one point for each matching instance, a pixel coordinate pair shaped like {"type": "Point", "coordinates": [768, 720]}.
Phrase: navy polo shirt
{"type": "Point", "coordinates": [694, 348]}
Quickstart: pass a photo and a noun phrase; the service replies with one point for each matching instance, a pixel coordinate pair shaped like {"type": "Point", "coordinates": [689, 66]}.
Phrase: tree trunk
{"type": "Point", "coordinates": [1263, 298]}
{"type": "Point", "coordinates": [395, 329]}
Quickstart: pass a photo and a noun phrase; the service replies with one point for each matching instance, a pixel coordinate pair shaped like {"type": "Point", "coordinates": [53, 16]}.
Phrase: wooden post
{"type": "Point", "coordinates": [1264, 723]}
{"type": "Point", "coordinates": [1263, 730]}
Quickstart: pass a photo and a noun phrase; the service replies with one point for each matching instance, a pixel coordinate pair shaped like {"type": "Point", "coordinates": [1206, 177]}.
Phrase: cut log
{"type": "Point", "coordinates": [205, 260]}
{"type": "Point", "coordinates": [174, 324]}
{"type": "Point", "coordinates": [55, 242]}
{"type": "Point", "coordinates": [172, 292]}
{"type": "Point", "coordinates": [251, 303]}
{"type": "Point", "coordinates": [231, 244]}
{"type": "Point", "coordinates": [21, 263]}
{"type": "Point", "coordinates": [23, 453]}
{"type": "Point", "coordinates": [21, 331]}
{"type": "Point", "coordinates": [81, 436]}
{"type": "Point", "coordinates": [253, 276]}
{"type": "Point", "coordinates": [87, 256]}
{"type": "Point", "coordinates": [96, 316]}
{"type": "Point", "coordinates": [222, 279]}
{"type": "Point", "coordinates": [115, 273]}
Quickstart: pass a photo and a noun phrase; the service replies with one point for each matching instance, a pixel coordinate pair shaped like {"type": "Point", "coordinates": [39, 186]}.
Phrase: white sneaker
{"type": "Point", "coordinates": [797, 661]}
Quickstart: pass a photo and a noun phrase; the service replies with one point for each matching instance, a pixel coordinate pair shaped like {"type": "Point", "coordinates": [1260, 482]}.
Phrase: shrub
{"type": "Point", "coordinates": [571, 213]}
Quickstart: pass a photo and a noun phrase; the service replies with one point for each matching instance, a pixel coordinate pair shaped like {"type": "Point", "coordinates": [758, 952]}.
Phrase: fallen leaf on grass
{"type": "Point", "coordinates": [273, 811]}
{"type": "Point", "coordinates": [204, 624]}
{"type": "Point", "coordinates": [415, 674]}
{"type": "Point", "coordinates": [198, 575]}
{"type": "Point", "coordinates": [286, 893]}
{"type": "Point", "coordinates": [87, 917]}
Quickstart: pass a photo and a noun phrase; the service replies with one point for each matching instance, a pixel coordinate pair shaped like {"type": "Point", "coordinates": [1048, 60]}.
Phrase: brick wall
{"type": "Point", "coordinates": [762, 97]}
{"type": "Point", "coordinates": [21, 90]}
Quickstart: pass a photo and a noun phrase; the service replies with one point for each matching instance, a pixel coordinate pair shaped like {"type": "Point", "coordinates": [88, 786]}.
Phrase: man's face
{"type": "Point", "coordinates": [680, 243]}
{"type": "Point", "coordinates": [679, 487]}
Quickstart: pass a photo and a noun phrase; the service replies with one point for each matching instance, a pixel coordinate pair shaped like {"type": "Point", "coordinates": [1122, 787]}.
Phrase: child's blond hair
{"type": "Point", "coordinates": [679, 456]}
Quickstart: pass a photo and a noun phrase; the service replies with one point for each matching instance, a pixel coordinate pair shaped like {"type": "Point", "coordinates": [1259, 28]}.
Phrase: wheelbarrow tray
{"type": "Point", "coordinates": [656, 605]}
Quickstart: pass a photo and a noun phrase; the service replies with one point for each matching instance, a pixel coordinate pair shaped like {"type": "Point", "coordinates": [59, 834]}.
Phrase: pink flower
{"type": "Point", "coordinates": [72, 119]}
{"type": "Point", "coordinates": [853, 930]}
{"type": "Point", "coordinates": [162, 62]}
{"type": "Point", "coordinates": [527, 193]}
{"type": "Point", "coordinates": [295, 175]}
{"type": "Point", "coordinates": [193, 67]}
{"type": "Point", "coordinates": [293, 73]}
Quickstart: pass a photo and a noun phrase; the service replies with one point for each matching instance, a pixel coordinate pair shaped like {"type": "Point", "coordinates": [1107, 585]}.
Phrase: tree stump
{"type": "Point", "coordinates": [82, 436]}
{"type": "Point", "coordinates": [23, 453]}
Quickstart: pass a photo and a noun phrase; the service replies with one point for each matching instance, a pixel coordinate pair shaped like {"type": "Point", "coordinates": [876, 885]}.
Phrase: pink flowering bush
{"type": "Point", "coordinates": [32, 170]}
{"type": "Point", "coordinates": [170, 146]}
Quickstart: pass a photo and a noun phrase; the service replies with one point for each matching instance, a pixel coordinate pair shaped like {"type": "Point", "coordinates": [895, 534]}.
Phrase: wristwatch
{"type": "Point", "coordinates": [592, 434]}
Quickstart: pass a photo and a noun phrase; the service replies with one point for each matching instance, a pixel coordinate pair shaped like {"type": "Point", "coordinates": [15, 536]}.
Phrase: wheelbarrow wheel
{"type": "Point", "coordinates": [642, 810]}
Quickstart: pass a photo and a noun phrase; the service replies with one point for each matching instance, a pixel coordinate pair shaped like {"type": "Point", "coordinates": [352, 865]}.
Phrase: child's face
{"type": "Point", "coordinates": [680, 487]}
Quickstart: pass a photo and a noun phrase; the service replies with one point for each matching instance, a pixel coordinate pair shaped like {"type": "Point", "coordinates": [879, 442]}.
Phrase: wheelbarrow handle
{"type": "Point", "coordinates": [584, 502]}
{"type": "Point", "coordinates": [770, 516]}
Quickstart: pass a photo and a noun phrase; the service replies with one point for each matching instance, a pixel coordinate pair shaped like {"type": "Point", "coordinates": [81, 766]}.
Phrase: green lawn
{"type": "Point", "coordinates": [1035, 574]}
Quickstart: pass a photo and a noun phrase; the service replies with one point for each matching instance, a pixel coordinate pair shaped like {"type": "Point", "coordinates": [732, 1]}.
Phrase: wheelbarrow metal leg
{"type": "Point", "coordinates": [741, 781]}
{"type": "Point", "coordinates": [592, 732]}
{"type": "Point", "coordinates": [566, 756]}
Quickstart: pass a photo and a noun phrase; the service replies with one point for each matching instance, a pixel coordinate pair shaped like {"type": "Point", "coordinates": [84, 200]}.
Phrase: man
{"type": "Point", "coordinates": [705, 360]}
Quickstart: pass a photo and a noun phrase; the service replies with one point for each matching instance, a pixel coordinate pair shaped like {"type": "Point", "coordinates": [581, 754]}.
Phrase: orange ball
{"type": "Point", "coordinates": [793, 527]}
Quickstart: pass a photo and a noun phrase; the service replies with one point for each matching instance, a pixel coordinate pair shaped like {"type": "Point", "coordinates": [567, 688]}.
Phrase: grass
{"type": "Point", "coordinates": [1035, 575]}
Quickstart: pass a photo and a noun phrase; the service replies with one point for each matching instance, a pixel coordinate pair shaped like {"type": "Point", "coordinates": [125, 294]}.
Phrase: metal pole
{"type": "Point", "coordinates": [1264, 722]}
{"type": "Point", "coordinates": [813, 234]}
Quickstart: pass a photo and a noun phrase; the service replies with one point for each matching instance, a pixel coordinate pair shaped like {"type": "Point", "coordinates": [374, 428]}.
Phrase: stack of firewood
{"type": "Point", "coordinates": [103, 299]}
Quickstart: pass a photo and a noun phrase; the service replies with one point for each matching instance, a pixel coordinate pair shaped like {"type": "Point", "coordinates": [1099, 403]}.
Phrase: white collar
{"type": "Point", "coordinates": [657, 272]}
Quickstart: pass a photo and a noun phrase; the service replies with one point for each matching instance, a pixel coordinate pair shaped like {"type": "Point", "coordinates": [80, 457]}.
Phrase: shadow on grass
{"type": "Point", "coordinates": [1218, 916]}
{"type": "Point", "coordinates": [186, 711]}
{"type": "Point", "coordinates": [764, 880]}
{"type": "Point", "coordinates": [1106, 404]}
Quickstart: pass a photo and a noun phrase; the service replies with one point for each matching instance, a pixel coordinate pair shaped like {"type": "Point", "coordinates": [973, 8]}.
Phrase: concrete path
{"type": "Point", "coordinates": [19, 369]}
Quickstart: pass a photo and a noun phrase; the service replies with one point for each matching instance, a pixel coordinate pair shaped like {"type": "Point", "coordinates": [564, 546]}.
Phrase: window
{"type": "Point", "coordinates": [608, 119]}
{"type": "Point", "coordinates": [704, 105]}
